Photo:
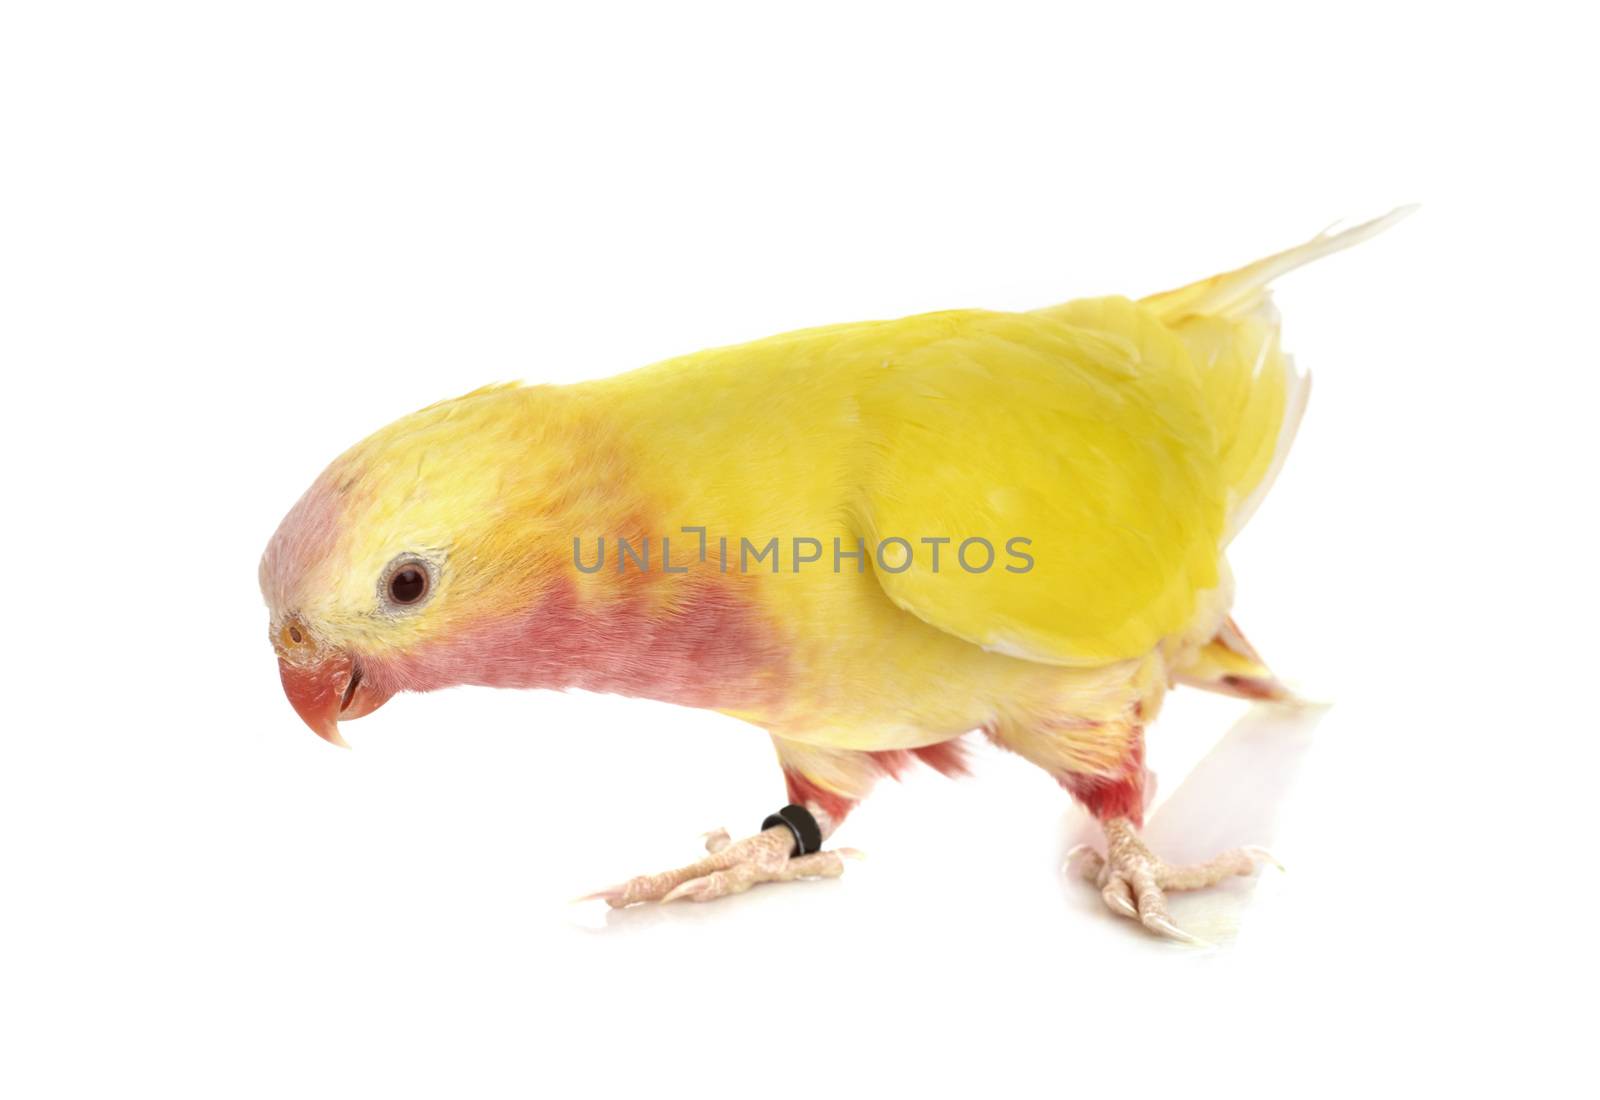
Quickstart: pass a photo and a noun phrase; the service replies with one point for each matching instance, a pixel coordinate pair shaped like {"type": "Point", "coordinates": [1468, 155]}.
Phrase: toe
{"type": "Point", "coordinates": [1196, 876]}
{"type": "Point", "coordinates": [829, 864]}
{"type": "Point", "coordinates": [1118, 897]}
{"type": "Point", "coordinates": [705, 888]}
{"type": "Point", "coordinates": [637, 889]}
{"type": "Point", "coordinates": [1086, 860]}
{"type": "Point", "coordinates": [1257, 852]}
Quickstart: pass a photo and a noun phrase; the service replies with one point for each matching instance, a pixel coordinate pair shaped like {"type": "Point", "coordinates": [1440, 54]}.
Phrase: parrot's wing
{"type": "Point", "coordinates": [1065, 474]}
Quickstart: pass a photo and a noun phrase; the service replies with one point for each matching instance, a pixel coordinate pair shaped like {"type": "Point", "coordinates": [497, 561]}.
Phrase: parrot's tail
{"type": "Point", "coordinates": [1229, 665]}
{"type": "Point", "coordinates": [1255, 394]}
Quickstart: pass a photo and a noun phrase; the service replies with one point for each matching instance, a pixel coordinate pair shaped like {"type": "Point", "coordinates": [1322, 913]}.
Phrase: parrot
{"type": "Point", "coordinates": [869, 540]}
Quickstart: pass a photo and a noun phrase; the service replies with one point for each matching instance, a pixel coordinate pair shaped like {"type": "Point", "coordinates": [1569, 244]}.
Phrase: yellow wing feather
{"type": "Point", "coordinates": [1127, 442]}
{"type": "Point", "coordinates": [1082, 433]}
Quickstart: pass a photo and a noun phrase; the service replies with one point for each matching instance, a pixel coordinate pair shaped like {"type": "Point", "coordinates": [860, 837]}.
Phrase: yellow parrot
{"type": "Point", "coordinates": [867, 539]}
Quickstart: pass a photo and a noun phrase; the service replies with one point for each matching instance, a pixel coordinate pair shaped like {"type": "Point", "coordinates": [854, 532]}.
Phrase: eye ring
{"type": "Point", "coordinates": [407, 582]}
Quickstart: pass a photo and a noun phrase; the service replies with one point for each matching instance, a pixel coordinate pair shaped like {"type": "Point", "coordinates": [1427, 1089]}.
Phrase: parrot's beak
{"type": "Point", "coordinates": [328, 691]}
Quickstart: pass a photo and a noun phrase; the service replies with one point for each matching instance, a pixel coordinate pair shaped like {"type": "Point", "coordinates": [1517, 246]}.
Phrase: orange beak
{"type": "Point", "coordinates": [328, 690]}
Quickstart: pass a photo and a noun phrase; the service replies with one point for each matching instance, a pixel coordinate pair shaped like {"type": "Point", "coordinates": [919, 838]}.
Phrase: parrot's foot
{"type": "Point", "coordinates": [731, 868]}
{"type": "Point", "coordinates": [1133, 882]}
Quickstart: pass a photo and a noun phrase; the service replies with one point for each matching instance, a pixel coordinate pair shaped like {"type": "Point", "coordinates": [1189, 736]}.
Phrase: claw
{"type": "Point", "coordinates": [1117, 897]}
{"type": "Point", "coordinates": [609, 894]}
{"type": "Point", "coordinates": [704, 888]}
{"type": "Point", "coordinates": [1262, 853]}
{"type": "Point", "coordinates": [1072, 855]}
{"type": "Point", "coordinates": [1172, 931]}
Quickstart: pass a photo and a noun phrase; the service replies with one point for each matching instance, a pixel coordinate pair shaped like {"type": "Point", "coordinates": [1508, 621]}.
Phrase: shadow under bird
{"type": "Point", "coordinates": [867, 539]}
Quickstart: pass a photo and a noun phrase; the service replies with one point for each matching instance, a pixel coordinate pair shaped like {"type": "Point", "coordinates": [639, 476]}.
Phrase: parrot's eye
{"type": "Point", "coordinates": [406, 582]}
{"type": "Point", "coordinates": [408, 585]}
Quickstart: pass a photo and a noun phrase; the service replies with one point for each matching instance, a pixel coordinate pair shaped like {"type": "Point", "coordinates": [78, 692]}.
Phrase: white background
{"type": "Point", "coordinates": [236, 238]}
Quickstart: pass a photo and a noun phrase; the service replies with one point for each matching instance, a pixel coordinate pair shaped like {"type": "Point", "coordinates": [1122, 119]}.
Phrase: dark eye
{"type": "Point", "coordinates": [408, 585]}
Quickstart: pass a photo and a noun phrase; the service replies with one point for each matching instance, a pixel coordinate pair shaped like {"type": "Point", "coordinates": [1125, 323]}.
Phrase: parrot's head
{"type": "Point", "coordinates": [388, 570]}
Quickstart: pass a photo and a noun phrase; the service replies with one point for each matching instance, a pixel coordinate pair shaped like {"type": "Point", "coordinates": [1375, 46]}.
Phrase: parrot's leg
{"type": "Point", "coordinates": [1102, 765]}
{"type": "Point", "coordinates": [827, 782]}
{"type": "Point", "coordinates": [730, 868]}
{"type": "Point", "coordinates": [1133, 881]}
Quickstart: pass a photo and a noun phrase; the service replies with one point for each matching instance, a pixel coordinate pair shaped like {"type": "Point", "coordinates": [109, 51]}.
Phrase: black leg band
{"type": "Point", "coordinates": [798, 820]}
